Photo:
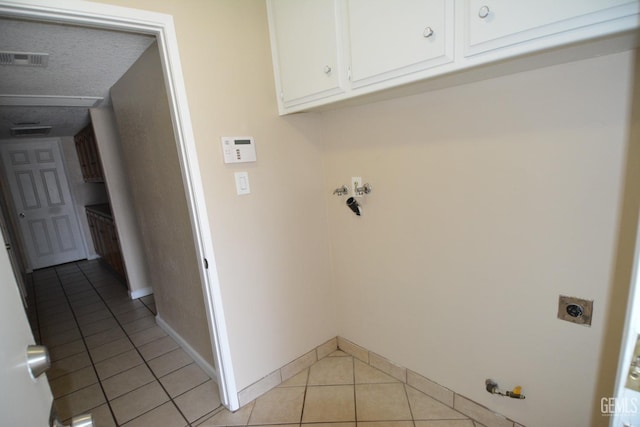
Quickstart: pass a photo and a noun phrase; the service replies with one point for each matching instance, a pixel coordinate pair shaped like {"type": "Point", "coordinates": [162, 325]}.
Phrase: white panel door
{"type": "Point", "coordinates": [24, 401]}
{"type": "Point", "coordinates": [43, 204]}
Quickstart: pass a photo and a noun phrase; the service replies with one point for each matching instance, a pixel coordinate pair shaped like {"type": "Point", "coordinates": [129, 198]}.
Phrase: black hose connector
{"type": "Point", "coordinates": [353, 205]}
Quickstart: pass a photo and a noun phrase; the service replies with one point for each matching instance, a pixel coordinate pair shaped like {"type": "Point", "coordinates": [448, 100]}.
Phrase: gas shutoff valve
{"type": "Point", "coordinates": [492, 387]}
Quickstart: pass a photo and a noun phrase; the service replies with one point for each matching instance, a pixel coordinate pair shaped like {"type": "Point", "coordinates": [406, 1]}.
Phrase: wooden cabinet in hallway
{"type": "Point", "coordinates": [105, 236]}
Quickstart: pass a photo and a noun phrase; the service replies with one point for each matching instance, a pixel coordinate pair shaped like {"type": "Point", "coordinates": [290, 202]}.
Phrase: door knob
{"type": "Point", "coordinates": [38, 360]}
{"type": "Point", "coordinates": [21, 215]}
{"type": "Point", "coordinates": [84, 420]}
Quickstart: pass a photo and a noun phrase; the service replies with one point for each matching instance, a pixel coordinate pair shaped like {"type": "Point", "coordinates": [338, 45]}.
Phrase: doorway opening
{"type": "Point", "coordinates": [161, 26]}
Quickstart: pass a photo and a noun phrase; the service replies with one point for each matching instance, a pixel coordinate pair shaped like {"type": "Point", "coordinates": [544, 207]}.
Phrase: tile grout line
{"type": "Point", "coordinates": [306, 388]}
{"type": "Point", "coordinates": [404, 388]}
{"type": "Point", "coordinates": [355, 400]}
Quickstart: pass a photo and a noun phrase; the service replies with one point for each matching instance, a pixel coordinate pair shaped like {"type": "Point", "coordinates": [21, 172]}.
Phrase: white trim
{"type": "Point", "coordinates": [630, 333]}
{"type": "Point", "coordinates": [139, 293]}
{"type": "Point", "coordinates": [49, 101]}
{"type": "Point", "coordinates": [200, 361]}
{"type": "Point", "coordinates": [161, 25]}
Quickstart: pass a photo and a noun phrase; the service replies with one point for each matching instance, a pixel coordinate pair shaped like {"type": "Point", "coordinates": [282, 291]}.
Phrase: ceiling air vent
{"type": "Point", "coordinates": [24, 58]}
{"type": "Point", "coordinates": [31, 131]}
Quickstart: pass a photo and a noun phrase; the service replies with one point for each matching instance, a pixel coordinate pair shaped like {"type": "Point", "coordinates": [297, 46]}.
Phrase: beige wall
{"type": "Point", "coordinates": [148, 146]}
{"type": "Point", "coordinates": [490, 200]}
{"type": "Point", "coordinates": [272, 247]}
{"type": "Point", "coordinates": [121, 200]}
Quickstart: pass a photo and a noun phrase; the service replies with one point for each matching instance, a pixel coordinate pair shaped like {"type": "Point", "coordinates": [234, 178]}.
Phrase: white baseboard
{"type": "Point", "coordinates": [206, 366]}
{"type": "Point", "coordinates": [139, 293]}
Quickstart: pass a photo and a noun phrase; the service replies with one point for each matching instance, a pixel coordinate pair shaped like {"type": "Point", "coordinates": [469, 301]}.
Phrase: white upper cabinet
{"type": "Point", "coordinates": [494, 24]}
{"type": "Point", "coordinates": [387, 39]}
{"type": "Point", "coordinates": [304, 43]}
{"type": "Point", "coordinates": [325, 51]}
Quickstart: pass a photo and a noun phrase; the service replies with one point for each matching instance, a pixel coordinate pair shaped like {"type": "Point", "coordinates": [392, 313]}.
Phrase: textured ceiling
{"type": "Point", "coordinates": [82, 62]}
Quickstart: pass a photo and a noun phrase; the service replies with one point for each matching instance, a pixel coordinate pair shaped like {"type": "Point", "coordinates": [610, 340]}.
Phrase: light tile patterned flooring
{"type": "Point", "coordinates": [341, 391]}
{"type": "Point", "coordinates": [108, 355]}
{"type": "Point", "coordinates": [112, 360]}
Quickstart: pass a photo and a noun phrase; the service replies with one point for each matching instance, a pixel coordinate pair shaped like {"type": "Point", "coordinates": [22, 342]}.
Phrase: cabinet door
{"type": "Point", "coordinates": [95, 232]}
{"type": "Point", "coordinates": [388, 39]}
{"type": "Point", "coordinates": [304, 40]}
{"type": "Point", "coordinates": [88, 155]}
{"type": "Point", "coordinates": [493, 24]}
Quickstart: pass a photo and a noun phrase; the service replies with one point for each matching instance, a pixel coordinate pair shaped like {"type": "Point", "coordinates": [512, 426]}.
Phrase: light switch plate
{"type": "Point", "coordinates": [575, 310]}
{"type": "Point", "coordinates": [242, 183]}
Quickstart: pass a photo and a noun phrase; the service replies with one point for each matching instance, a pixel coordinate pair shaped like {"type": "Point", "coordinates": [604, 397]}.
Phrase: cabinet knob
{"type": "Point", "coordinates": [484, 12]}
{"type": "Point", "coordinates": [327, 69]}
{"type": "Point", "coordinates": [428, 32]}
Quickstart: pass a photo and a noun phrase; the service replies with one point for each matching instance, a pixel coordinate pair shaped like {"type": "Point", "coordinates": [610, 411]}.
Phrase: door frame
{"type": "Point", "coordinates": [8, 234]}
{"type": "Point", "coordinates": [627, 347]}
{"type": "Point", "coordinates": [160, 25]}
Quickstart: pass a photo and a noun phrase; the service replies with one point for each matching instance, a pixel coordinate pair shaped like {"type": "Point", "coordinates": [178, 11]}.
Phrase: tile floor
{"type": "Point", "coordinates": [108, 355]}
{"type": "Point", "coordinates": [342, 391]}
{"type": "Point", "coordinates": [111, 359]}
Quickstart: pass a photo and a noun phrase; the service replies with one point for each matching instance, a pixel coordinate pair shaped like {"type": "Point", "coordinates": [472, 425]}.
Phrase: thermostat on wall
{"type": "Point", "coordinates": [238, 149]}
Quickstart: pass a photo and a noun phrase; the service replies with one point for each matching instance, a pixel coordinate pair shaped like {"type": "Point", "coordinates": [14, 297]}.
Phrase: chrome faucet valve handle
{"type": "Point", "coordinates": [341, 191]}
{"type": "Point", "coordinates": [365, 189]}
